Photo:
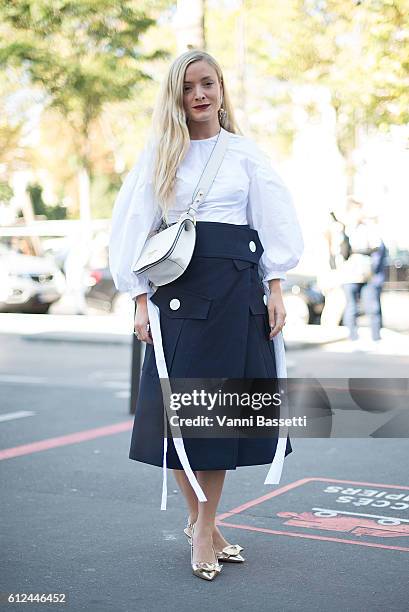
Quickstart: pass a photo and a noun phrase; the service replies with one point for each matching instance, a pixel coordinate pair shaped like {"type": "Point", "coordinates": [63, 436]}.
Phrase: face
{"type": "Point", "coordinates": [202, 93]}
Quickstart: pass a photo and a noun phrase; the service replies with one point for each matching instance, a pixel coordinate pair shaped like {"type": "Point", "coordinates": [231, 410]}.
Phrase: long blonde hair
{"type": "Point", "coordinates": [169, 124]}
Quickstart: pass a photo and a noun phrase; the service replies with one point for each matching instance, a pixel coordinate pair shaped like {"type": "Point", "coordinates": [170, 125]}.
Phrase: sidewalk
{"type": "Point", "coordinates": [105, 329]}
{"type": "Point", "coordinates": [117, 329]}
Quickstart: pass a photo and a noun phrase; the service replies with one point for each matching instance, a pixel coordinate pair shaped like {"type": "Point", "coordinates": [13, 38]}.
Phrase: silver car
{"type": "Point", "coordinates": [27, 283]}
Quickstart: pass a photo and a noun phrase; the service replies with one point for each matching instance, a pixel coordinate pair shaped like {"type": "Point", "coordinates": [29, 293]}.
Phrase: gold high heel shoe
{"type": "Point", "coordinates": [230, 553]}
{"type": "Point", "coordinates": [188, 531]}
{"type": "Point", "coordinates": [204, 569]}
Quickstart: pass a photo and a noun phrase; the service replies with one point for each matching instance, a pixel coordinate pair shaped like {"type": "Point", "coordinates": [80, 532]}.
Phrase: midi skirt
{"type": "Point", "coordinates": [214, 324]}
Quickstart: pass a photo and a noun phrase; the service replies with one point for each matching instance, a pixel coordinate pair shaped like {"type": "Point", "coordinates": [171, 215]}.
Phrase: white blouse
{"type": "Point", "coordinates": [246, 190]}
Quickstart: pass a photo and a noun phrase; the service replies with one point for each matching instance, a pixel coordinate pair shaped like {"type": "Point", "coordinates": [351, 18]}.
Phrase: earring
{"type": "Point", "coordinates": [222, 113]}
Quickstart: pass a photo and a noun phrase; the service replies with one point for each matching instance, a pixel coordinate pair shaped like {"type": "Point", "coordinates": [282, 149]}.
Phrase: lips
{"type": "Point", "coordinates": [202, 106]}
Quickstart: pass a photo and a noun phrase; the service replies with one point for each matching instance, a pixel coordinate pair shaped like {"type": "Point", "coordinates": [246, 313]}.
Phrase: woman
{"type": "Point", "coordinates": [222, 318]}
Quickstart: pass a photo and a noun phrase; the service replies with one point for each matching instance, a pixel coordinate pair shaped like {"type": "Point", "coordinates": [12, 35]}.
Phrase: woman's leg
{"type": "Point", "coordinates": [352, 292]}
{"type": "Point", "coordinates": [372, 298]}
{"type": "Point", "coordinates": [188, 492]}
{"type": "Point", "coordinates": [211, 482]}
{"type": "Point", "coordinates": [219, 542]}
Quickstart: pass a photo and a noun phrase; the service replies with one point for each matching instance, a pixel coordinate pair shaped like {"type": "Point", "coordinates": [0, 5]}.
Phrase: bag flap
{"type": "Point", "coordinates": [157, 247]}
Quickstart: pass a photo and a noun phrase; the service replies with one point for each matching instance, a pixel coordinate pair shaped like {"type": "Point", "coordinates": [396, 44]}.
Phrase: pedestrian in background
{"type": "Point", "coordinates": [328, 280]}
{"type": "Point", "coordinates": [363, 272]}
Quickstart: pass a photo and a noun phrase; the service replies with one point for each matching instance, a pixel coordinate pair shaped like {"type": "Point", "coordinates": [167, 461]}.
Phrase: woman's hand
{"type": "Point", "coordinates": [276, 310]}
{"type": "Point", "coordinates": [141, 323]}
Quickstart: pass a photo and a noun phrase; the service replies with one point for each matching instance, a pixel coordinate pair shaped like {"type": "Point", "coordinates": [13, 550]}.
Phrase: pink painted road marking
{"type": "Point", "coordinates": [260, 500]}
{"type": "Point", "coordinates": [220, 518]}
{"type": "Point", "coordinates": [312, 537]}
{"type": "Point", "coordinates": [298, 483]}
{"type": "Point", "coordinates": [74, 438]}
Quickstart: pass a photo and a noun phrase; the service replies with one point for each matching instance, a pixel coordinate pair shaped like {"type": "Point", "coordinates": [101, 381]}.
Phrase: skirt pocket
{"type": "Point", "coordinates": [183, 317]}
{"type": "Point", "coordinates": [178, 303]}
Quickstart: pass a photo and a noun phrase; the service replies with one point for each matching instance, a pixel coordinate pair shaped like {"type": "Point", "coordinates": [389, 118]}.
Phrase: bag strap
{"type": "Point", "coordinates": [210, 171]}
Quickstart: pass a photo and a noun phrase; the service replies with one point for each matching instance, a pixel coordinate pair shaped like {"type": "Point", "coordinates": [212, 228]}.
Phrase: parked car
{"type": "Point", "coordinates": [29, 284]}
{"type": "Point", "coordinates": [102, 293]}
{"type": "Point", "coordinates": [56, 249]}
{"type": "Point", "coordinates": [303, 300]}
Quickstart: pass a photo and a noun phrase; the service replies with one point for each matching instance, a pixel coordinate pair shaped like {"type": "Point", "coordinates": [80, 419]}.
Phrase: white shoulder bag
{"type": "Point", "coordinates": [167, 254]}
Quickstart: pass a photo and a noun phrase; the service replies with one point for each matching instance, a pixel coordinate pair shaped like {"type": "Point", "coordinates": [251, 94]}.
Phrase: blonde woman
{"type": "Point", "coordinates": [223, 317]}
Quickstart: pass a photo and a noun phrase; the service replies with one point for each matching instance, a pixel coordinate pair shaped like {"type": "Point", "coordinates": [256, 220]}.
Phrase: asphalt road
{"type": "Point", "coordinates": [78, 517]}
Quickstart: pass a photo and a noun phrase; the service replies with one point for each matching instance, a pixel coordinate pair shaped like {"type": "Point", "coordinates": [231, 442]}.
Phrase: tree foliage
{"type": "Point", "coordinates": [354, 47]}
{"type": "Point", "coordinates": [81, 53]}
{"type": "Point", "coordinates": [358, 50]}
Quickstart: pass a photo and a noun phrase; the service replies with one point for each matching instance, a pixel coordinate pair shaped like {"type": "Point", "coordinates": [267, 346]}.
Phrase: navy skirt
{"type": "Point", "coordinates": [219, 329]}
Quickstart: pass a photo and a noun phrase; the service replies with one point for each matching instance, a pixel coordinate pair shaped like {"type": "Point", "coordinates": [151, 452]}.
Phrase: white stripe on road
{"type": "Point", "coordinates": [20, 414]}
{"type": "Point", "coordinates": [115, 384]}
{"type": "Point", "coordinates": [7, 378]}
{"type": "Point", "coordinates": [74, 384]}
{"type": "Point", "coordinates": [123, 394]}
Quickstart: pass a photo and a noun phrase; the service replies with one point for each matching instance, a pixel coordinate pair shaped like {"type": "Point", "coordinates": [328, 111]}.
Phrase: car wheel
{"type": "Point", "coordinates": [38, 309]}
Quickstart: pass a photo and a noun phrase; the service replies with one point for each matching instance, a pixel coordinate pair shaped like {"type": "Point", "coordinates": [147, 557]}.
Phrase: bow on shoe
{"type": "Point", "coordinates": [208, 566]}
{"type": "Point", "coordinates": [231, 553]}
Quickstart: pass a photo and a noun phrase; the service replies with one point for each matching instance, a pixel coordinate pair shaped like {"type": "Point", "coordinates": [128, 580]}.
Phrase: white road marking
{"type": "Point", "coordinates": [106, 374]}
{"type": "Point", "coordinates": [115, 384]}
{"type": "Point", "coordinates": [393, 518]}
{"type": "Point", "coordinates": [123, 394]}
{"type": "Point", "coordinates": [10, 378]}
{"type": "Point", "coordinates": [20, 414]}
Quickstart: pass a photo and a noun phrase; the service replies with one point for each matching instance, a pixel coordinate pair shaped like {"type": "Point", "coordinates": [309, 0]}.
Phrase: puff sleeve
{"type": "Point", "coordinates": [270, 211]}
{"type": "Point", "coordinates": [134, 216]}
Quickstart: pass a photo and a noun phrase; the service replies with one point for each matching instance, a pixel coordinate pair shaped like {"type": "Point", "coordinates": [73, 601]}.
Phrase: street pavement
{"type": "Point", "coordinates": [79, 517]}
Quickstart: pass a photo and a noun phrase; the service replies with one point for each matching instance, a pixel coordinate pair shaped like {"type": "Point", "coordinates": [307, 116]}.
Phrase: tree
{"type": "Point", "coordinates": [357, 50]}
{"type": "Point", "coordinates": [82, 54]}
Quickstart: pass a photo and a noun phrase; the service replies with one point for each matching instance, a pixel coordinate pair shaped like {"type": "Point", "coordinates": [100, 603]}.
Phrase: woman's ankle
{"type": "Point", "coordinates": [192, 520]}
{"type": "Point", "coordinates": [204, 527]}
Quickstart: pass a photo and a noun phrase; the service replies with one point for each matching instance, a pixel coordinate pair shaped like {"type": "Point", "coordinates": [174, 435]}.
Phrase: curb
{"type": "Point", "coordinates": [83, 338]}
